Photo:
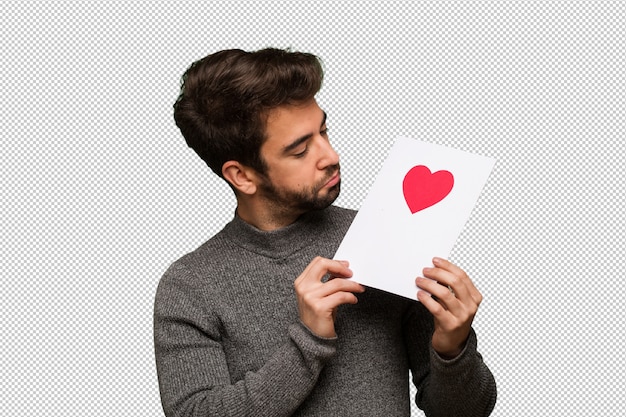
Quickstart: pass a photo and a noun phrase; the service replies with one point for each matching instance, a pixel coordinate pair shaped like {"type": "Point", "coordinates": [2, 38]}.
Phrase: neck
{"type": "Point", "coordinates": [265, 216]}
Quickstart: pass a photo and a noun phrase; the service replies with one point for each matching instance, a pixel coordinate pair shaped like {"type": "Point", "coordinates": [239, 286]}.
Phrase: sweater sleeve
{"type": "Point", "coordinates": [463, 386]}
{"type": "Point", "coordinates": [192, 369]}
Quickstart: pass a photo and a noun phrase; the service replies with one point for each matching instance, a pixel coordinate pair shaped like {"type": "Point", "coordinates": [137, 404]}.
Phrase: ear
{"type": "Point", "coordinates": [241, 177]}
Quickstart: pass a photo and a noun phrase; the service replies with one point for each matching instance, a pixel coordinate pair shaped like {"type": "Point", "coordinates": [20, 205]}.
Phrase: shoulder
{"type": "Point", "coordinates": [193, 271]}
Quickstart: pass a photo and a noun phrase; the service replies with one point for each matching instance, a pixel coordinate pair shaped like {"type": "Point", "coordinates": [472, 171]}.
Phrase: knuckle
{"type": "Point", "coordinates": [307, 298]}
{"type": "Point", "coordinates": [455, 281]}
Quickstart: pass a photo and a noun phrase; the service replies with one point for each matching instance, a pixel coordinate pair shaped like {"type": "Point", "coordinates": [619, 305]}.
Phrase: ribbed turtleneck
{"type": "Point", "coordinates": [280, 243]}
{"type": "Point", "coordinates": [228, 338]}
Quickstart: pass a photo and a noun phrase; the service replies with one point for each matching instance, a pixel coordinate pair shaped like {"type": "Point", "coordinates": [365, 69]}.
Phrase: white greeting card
{"type": "Point", "coordinates": [415, 211]}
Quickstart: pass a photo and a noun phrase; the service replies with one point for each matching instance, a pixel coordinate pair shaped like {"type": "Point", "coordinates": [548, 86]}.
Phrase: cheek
{"type": "Point", "coordinates": [295, 175]}
{"type": "Point", "coordinates": [298, 174]}
{"type": "Point", "coordinates": [286, 179]}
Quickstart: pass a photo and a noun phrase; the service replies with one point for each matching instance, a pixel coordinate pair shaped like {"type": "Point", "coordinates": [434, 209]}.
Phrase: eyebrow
{"type": "Point", "coordinates": [293, 145]}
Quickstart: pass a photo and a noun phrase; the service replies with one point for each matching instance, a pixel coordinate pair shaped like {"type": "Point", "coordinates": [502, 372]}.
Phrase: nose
{"type": "Point", "coordinates": [328, 155]}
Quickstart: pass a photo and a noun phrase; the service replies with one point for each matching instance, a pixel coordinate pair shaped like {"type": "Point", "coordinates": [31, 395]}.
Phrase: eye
{"type": "Point", "coordinates": [302, 154]}
{"type": "Point", "coordinates": [324, 132]}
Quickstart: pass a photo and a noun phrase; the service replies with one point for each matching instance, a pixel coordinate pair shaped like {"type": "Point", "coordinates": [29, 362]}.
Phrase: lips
{"type": "Point", "coordinates": [333, 180]}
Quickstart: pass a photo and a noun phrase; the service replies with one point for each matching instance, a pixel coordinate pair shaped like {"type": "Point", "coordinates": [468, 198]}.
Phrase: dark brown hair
{"type": "Point", "coordinates": [225, 98]}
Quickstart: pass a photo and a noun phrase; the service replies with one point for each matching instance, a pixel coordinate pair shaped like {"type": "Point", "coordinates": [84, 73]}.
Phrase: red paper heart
{"type": "Point", "coordinates": [423, 189]}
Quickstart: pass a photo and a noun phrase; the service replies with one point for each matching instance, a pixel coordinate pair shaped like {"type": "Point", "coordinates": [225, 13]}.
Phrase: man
{"type": "Point", "coordinates": [259, 320]}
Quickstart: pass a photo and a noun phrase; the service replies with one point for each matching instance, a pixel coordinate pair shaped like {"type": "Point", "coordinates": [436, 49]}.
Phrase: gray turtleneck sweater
{"type": "Point", "coordinates": [229, 341]}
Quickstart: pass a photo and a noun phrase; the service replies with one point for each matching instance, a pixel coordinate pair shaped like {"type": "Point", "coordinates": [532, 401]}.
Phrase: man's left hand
{"type": "Point", "coordinates": [453, 304]}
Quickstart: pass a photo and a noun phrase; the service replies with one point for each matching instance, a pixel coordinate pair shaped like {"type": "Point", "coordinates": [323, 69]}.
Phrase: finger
{"type": "Point", "coordinates": [469, 284]}
{"type": "Point", "coordinates": [319, 267]}
{"type": "Point", "coordinates": [344, 263]}
{"type": "Point", "coordinates": [441, 294]}
{"type": "Point", "coordinates": [449, 279]}
{"type": "Point", "coordinates": [336, 299]}
{"type": "Point", "coordinates": [338, 285]}
{"type": "Point", "coordinates": [432, 305]}
{"type": "Point", "coordinates": [324, 305]}
{"type": "Point", "coordinates": [447, 265]}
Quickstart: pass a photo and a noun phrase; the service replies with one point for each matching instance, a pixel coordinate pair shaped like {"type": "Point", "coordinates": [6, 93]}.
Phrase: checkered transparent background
{"type": "Point", "coordinates": [100, 193]}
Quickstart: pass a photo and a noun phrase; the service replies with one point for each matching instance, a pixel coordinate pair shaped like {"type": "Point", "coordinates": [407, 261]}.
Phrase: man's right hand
{"type": "Point", "coordinates": [317, 300]}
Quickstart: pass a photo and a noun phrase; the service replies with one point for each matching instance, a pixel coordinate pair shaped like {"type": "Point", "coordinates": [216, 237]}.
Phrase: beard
{"type": "Point", "coordinates": [304, 200]}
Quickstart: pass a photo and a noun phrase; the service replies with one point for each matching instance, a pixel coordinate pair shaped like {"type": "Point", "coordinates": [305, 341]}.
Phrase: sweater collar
{"type": "Point", "coordinates": [278, 243]}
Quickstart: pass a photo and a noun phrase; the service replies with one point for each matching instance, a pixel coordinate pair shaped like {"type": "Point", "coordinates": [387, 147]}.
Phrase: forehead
{"type": "Point", "coordinates": [288, 123]}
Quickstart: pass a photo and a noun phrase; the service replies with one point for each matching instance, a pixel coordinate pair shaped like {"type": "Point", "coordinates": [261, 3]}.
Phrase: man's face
{"type": "Point", "coordinates": [302, 167]}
